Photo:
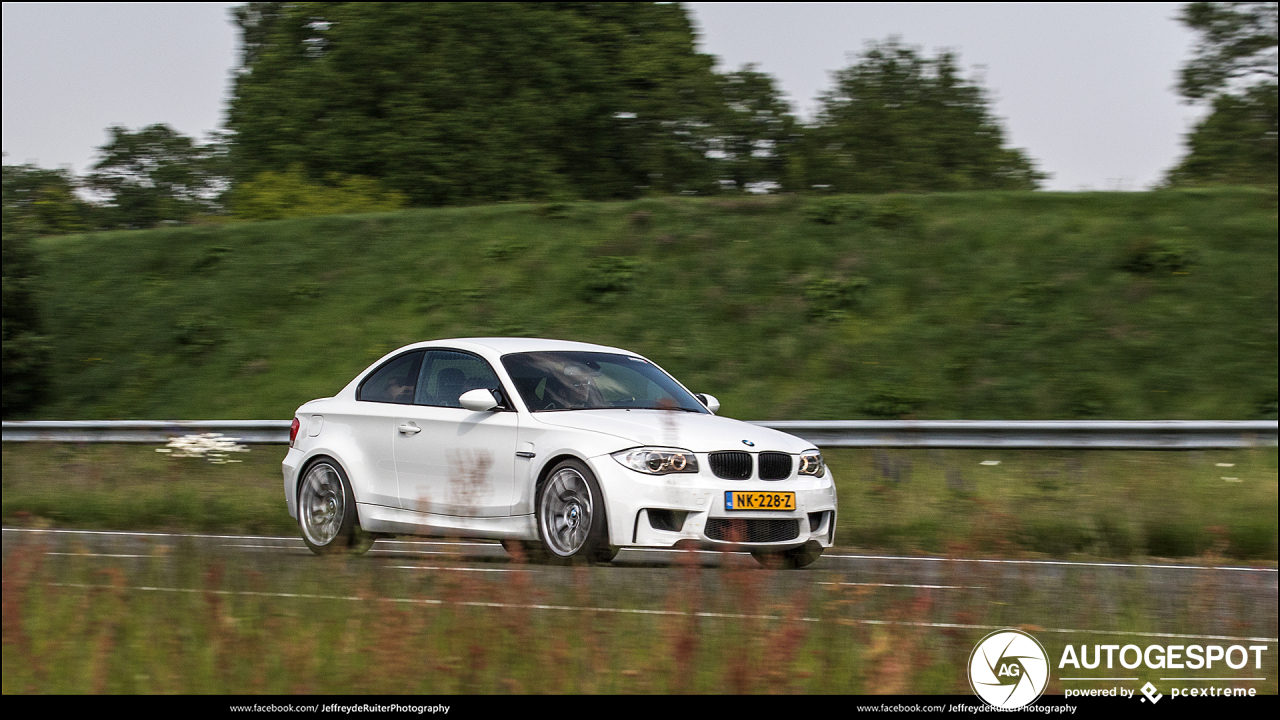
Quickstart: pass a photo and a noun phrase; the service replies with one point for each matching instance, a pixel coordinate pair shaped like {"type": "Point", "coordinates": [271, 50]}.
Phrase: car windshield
{"type": "Point", "coordinates": [594, 381]}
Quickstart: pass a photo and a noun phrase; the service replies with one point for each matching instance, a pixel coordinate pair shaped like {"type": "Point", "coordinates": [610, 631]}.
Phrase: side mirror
{"type": "Point", "coordinates": [710, 401]}
{"type": "Point", "coordinates": [478, 400]}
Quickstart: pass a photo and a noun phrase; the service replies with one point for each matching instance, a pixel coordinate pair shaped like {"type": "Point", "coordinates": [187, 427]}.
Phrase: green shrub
{"type": "Point", "coordinates": [895, 211]}
{"type": "Point", "coordinates": [1148, 257]}
{"type": "Point", "coordinates": [199, 333]}
{"type": "Point", "coordinates": [291, 194]}
{"type": "Point", "coordinates": [1252, 539]}
{"type": "Point", "coordinates": [1175, 538]}
{"type": "Point", "coordinates": [610, 276]}
{"type": "Point", "coordinates": [890, 401]}
{"type": "Point", "coordinates": [834, 210]}
{"type": "Point", "coordinates": [831, 299]}
{"type": "Point", "coordinates": [1115, 539]}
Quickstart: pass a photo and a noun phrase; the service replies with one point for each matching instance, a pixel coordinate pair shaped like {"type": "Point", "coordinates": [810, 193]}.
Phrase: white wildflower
{"type": "Point", "coordinates": [210, 446]}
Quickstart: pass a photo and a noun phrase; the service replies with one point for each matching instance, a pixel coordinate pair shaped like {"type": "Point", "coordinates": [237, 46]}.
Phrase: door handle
{"type": "Point", "coordinates": [409, 429]}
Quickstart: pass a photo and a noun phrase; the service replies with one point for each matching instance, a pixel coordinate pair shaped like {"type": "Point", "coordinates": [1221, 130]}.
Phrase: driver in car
{"type": "Point", "coordinates": [573, 388]}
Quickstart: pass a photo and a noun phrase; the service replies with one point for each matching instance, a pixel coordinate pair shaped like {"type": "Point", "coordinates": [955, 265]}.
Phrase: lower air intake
{"type": "Point", "coordinates": [752, 531]}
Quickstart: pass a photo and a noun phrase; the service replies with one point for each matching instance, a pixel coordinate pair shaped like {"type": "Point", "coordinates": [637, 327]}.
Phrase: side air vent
{"type": "Point", "coordinates": [669, 520]}
{"type": "Point", "coordinates": [815, 520]}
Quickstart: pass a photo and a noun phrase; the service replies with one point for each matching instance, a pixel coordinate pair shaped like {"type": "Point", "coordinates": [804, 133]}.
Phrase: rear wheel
{"type": "Point", "coordinates": [327, 511]}
{"type": "Point", "coordinates": [571, 515]}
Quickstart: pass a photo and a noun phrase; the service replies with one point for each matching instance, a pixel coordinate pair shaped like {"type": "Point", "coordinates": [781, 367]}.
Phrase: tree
{"type": "Point", "coordinates": [897, 121]}
{"type": "Point", "coordinates": [26, 351]}
{"type": "Point", "coordinates": [1234, 71]}
{"type": "Point", "coordinates": [157, 174]}
{"type": "Point", "coordinates": [1235, 144]}
{"type": "Point", "coordinates": [1237, 48]}
{"type": "Point", "coordinates": [754, 131]}
{"type": "Point", "coordinates": [43, 202]}
{"type": "Point", "coordinates": [457, 102]}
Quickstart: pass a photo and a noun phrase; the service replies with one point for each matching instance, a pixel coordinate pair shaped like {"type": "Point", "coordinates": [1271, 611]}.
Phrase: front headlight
{"type": "Point", "coordinates": [658, 461]}
{"type": "Point", "coordinates": [811, 463]}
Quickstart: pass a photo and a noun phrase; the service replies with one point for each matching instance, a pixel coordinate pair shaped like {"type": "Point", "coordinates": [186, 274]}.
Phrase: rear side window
{"type": "Point", "coordinates": [447, 374]}
{"type": "Point", "coordinates": [394, 382]}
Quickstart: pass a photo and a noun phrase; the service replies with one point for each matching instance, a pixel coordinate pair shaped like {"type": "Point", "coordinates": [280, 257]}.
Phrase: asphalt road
{"type": "Point", "coordinates": [1174, 599]}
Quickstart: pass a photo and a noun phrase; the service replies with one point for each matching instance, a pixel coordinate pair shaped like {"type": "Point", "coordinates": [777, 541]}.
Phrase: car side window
{"type": "Point", "coordinates": [447, 374]}
{"type": "Point", "coordinates": [394, 382]}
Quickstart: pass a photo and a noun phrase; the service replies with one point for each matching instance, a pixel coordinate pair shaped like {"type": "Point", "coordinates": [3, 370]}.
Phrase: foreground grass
{"type": "Point", "coordinates": [1154, 305]}
{"type": "Point", "coordinates": [180, 619]}
{"type": "Point", "coordinates": [1053, 503]}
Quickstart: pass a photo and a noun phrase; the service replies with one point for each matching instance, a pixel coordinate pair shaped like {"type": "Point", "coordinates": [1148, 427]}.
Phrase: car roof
{"type": "Point", "coordinates": [505, 345]}
{"type": "Point", "coordinates": [492, 347]}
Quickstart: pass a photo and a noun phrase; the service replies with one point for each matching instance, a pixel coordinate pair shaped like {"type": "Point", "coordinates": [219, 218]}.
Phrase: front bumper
{"type": "Point", "coordinates": [660, 511]}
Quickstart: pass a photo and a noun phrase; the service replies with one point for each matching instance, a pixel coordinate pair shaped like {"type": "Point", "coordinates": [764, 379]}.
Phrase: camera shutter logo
{"type": "Point", "coordinates": [1009, 669]}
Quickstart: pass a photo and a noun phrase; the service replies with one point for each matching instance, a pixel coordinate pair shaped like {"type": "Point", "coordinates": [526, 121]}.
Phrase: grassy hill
{"type": "Point", "coordinates": [990, 305]}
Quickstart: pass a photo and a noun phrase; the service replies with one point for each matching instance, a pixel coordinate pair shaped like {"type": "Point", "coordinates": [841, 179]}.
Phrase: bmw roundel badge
{"type": "Point", "coordinates": [748, 443]}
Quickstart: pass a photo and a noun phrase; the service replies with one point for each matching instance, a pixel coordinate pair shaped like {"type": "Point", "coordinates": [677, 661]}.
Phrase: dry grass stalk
{"type": "Point", "coordinates": [109, 616]}
{"type": "Point", "coordinates": [683, 631]}
{"type": "Point", "coordinates": [19, 567]}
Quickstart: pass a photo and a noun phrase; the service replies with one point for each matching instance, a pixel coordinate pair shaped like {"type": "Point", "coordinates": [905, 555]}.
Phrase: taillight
{"type": "Point", "coordinates": [293, 431]}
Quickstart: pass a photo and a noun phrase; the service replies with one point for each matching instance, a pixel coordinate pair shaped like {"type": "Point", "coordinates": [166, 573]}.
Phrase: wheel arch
{"type": "Point", "coordinates": [555, 460]}
{"type": "Point", "coordinates": [318, 456]}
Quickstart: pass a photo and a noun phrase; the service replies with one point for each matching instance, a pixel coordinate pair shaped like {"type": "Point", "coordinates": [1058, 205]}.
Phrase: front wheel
{"type": "Point", "coordinates": [522, 551]}
{"type": "Point", "coordinates": [327, 511]}
{"type": "Point", "coordinates": [571, 514]}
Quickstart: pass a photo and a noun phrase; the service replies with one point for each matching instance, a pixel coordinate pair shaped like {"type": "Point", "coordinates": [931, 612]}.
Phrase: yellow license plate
{"type": "Point", "coordinates": [734, 500]}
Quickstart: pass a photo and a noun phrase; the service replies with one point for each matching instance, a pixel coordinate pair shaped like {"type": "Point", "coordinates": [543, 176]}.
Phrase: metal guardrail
{"type": "Point", "coordinates": [272, 432]}
{"type": "Point", "coordinates": [1092, 434]}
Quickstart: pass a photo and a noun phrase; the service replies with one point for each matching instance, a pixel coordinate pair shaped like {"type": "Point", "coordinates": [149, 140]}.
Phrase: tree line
{"type": "Point", "coordinates": [346, 107]}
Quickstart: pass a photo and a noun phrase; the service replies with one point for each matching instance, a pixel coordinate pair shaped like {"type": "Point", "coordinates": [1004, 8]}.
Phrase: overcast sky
{"type": "Point", "coordinates": [1085, 89]}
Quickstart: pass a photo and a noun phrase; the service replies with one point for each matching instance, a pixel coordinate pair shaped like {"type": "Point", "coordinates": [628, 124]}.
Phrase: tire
{"type": "Point", "coordinates": [522, 551]}
{"type": "Point", "coordinates": [534, 552]}
{"type": "Point", "coordinates": [327, 511]}
{"type": "Point", "coordinates": [795, 558]}
{"type": "Point", "coordinates": [571, 515]}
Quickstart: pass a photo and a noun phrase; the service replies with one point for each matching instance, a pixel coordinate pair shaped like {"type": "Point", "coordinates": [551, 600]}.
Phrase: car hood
{"type": "Point", "coordinates": [698, 432]}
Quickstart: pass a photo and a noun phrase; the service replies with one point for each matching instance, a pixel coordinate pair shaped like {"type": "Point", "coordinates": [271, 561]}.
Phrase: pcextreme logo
{"type": "Point", "coordinates": [1009, 669]}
